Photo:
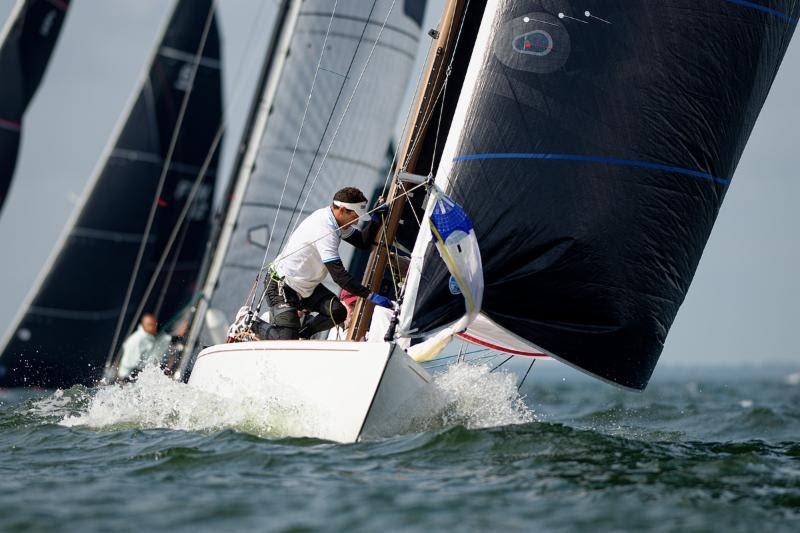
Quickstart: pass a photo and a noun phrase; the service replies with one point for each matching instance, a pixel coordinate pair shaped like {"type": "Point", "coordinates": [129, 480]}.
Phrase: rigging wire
{"type": "Point", "coordinates": [201, 173]}
{"type": "Point", "coordinates": [501, 364]}
{"type": "Point", "coordinates": [164, 171]}
{"type": "Point", "coordinates": [171, 269]}
{"type": "Point", "coordinates": [533, 360]}
{"type": "Point", "coordinates": [251, 296]}
{"type": "Point", "coordinates": [347, 107]}
{"type": "Point", "coordinates": [330, 117]}
{"type": "Point", "coordinates": [428, 116]}
{"type": "Point", "coordinates": [432, 106]}
{"type": "Point", "coordinates": [304, 246]}
{"type": "Point", "coordinates": [482, 359]}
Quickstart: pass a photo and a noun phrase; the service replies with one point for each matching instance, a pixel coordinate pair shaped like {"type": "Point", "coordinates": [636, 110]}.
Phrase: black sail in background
{"type": "Point", "coordinates": [67, 328]}
{"type": "Point", "coordinates": [593, 160]}
{"type": "Point", "coordinates": [24, 53]}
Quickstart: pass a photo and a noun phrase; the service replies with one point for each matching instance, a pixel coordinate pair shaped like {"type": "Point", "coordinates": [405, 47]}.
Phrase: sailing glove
{"type": "Point", "coordinates": [383, 301]}
{"type": "Point", "coordinates": [381, 208]}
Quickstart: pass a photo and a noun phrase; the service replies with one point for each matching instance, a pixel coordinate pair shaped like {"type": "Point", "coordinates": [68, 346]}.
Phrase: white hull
{"type": "Point", "coordinates": [339, 391]}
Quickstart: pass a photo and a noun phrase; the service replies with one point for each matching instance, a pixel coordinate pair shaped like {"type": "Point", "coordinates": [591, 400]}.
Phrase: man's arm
{"type": "Point", "coordinates": [345, 279]}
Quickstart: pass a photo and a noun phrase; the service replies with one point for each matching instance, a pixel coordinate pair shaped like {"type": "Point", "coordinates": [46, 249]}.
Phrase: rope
{"type": "Point", "coordinates": [413, 210]}
{"type": "Point", "coordinates": [251, 297]}
{"type": "Point", "coordinates": [429, 112]}
{"type": "Point", "coordinates": [346, 109]}
{"type": "Point", "coordinates": [406, 123]}
{"type": "Point", "coordinates": [533, 360]}
{"type": "Point", "coordinates": [501, 364]}
{"type": "Point", "coordinates": [170, 270]}
{"type": "Point", "coordinates": [162, 179]}
{"type": "Point", "coordinates": [304, 246]}
{"type": "Point", "coordinates": [485, 359]}
{"type": "Point", "coordinates": [389, 257]}
{"type": "Point", "coordinates": [179, 223]}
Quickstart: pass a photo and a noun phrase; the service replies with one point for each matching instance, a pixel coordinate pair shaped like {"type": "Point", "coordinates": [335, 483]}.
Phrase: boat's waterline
{"type": "Point", "coordinates": [339, 391]}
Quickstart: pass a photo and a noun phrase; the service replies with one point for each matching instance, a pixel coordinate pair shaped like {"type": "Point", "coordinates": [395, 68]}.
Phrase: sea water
{"type": "Point", "coordinates": [701, 450]}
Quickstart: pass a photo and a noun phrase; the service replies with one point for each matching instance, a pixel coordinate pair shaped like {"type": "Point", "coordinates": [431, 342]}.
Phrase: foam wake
{"type": "Point", "coordinates": [468, 395]}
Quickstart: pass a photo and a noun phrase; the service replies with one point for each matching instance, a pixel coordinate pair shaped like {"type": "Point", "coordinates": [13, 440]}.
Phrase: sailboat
{"type": "Point", "coordinates": [27, 40]}
{"type": "Point", "coordinates": [142, 222]}
{"type": "Point", "coordinates": [590, 146]}
{"type": "Point", "coordinates": [330, 92]}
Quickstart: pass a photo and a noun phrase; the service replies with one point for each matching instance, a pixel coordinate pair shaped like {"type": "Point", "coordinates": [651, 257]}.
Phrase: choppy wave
{"type": "Point", "coordinates": [689, 455]}
{"type": "Point", "coordinates": [470, 395]}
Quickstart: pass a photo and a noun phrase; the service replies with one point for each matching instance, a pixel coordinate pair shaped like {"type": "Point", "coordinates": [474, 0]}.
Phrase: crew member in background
{"type": "Point", "coordinates": [145, 345]}
{"type": "Point", "coordinates": [311, 253]}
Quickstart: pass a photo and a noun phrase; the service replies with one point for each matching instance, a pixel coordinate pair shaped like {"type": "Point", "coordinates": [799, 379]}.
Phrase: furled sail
{"type": "Point", "coordinates": [302, 155]}
{"type": "Point", "coordinates": [66, 328]}
{"type": "Point", "coordinates": [592, 146]}
{"type": "Point", "coordinates": [26, 42]}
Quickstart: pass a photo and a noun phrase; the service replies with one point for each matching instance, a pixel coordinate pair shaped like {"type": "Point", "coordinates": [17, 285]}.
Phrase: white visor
{"type": "Point", "coordinates": [360, 208]}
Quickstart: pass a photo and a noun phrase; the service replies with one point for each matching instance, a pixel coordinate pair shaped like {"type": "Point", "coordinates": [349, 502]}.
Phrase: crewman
{"type": "Point", "coordinates": [145, 345]}
{"type": "Point", "coordinates": [311, 253]}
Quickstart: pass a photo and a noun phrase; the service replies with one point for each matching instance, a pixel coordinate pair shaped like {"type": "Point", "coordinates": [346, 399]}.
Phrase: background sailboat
{"type": "Point", "coordinates": [27, 40]}
{"type": "Point", "coordinates": [67, 326]}
{"type": "Point", "coordinates": [302, 147]}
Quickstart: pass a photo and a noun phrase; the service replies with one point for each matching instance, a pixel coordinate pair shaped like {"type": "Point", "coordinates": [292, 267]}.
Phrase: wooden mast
{"type": "Point", "coordinates": [409, 155]}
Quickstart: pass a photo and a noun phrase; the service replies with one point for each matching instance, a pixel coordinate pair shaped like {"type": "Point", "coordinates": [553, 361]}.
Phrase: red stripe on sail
{"type": "Point", "coordinates": [499, 348]}
{"type": "Point", "coordinates": [10, 125]}
{"type": "Point", "coordinates": [60, 4]}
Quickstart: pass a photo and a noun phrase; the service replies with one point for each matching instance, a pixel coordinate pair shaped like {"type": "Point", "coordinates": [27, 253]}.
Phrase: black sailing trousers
{"type": "Point", "coordinates": [285, 303]}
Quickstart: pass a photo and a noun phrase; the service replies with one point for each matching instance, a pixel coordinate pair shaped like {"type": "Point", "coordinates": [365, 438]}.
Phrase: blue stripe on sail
{"type": "Point", "coordinates": [765, 9]}
{"type": "Point", "coordinates": [599, 159]}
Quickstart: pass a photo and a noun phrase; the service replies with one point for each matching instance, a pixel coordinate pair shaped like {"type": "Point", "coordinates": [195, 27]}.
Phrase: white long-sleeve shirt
{"type": "Point", "coordinates": [139, 349]}
{"type": "Point", "coordinates": [314, 243]}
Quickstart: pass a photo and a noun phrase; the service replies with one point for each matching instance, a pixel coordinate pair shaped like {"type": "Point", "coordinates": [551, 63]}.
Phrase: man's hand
{"type": "Point", "coordinates": [381, 300]}
{"type": "Point", "coordinates": [381, 208]}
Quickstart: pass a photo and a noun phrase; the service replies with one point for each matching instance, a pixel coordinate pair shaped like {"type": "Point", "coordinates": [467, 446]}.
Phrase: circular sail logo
{"type": "Point", "coordinates": [535, 42]}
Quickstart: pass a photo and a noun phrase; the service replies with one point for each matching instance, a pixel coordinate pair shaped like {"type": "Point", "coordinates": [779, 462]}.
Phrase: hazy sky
{"type": "Point", "coordinates": [744, 304]}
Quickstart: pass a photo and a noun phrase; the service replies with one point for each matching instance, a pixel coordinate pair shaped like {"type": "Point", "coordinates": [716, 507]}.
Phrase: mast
{"type": "Point", "coordinates": [417, 151]}
{"type": "Point", "coordinates": [271, 71]}
{"type": "Point", "coordinates": [331, 118]}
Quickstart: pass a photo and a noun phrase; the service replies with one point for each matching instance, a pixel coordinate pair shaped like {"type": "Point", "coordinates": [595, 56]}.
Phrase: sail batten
{"type": "Point", "coordinates": [593, 157]}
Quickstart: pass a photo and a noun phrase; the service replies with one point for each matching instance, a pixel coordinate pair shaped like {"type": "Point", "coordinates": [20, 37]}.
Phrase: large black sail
{"type": "Point", "coordinates": [596, 143]}
{"type": "Point", "coordinates": [27, 41]}
{"type": "Point", "coordinates": [66, 330]}
{"type": "Point", "coordinates": [357, 93]}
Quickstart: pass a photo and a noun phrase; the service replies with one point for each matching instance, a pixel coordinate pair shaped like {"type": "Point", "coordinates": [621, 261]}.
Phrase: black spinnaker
{"type": "Point", "coordinates": [67, 326]}
{"type": "Point", "coordinates": [594, 146]}
{"type": "Point", "coordinates": [26, 42]}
